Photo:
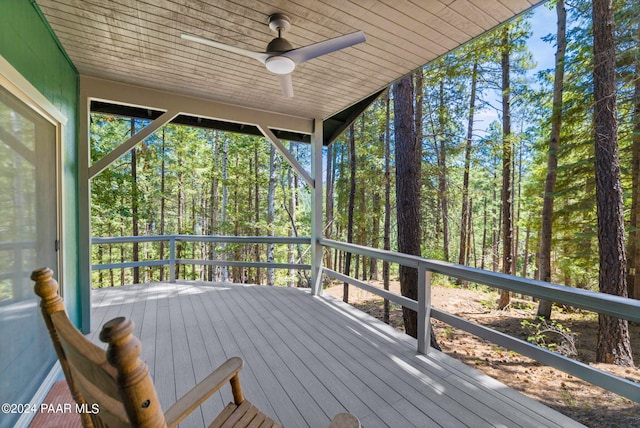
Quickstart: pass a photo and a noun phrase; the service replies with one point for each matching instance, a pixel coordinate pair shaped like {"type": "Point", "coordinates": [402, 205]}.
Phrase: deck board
{"type": "Point", "coordinates": [306, 359]}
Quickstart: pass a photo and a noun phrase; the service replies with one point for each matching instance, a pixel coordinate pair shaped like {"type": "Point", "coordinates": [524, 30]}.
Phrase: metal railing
{"type": "Point", "coordinates": [601, 303]}
{"type": "Point", "coordinates": [173, 261]}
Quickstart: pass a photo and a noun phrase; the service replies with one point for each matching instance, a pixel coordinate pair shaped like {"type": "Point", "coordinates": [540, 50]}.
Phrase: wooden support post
{"type": "Point", "coordinates": [316, 208]}
{"type": "Point", "coordinates": [84, 212]}
{"type": "Point", "coordinates": [172, 259]}
{"type": "Point", "coordinates": [424, 309]}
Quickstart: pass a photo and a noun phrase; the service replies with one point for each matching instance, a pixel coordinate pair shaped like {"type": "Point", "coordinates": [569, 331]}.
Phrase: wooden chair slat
{"type": "Point", "coordinates": [85, 358]}
{"type": "Point", "coordinates": [257, 421]}
{"type": "Point", "coordinates": [235, 417]}
{"type": "Point", "coordinates": [111, 410]}
{"type": "Point", "coordinates": [248, 416]}
{"type": "Point", "coordinates": [224, 415]}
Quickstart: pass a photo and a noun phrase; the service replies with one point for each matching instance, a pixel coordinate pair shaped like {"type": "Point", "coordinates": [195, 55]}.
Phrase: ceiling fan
{"type": "Point", "coordinates": [280, 57]}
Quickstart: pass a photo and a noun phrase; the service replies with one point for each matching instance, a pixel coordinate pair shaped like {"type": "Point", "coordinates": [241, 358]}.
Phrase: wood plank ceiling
{"type": "Point", "coordinates": [138, 42]}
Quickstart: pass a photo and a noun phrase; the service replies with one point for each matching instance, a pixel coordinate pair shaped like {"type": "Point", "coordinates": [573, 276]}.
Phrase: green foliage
{"type": "Point", "coordinates": [551, 335]}
{"type": "Point", "coordinates": [489, 303]}
{"type": "Point", "coordinates": [448, 332]}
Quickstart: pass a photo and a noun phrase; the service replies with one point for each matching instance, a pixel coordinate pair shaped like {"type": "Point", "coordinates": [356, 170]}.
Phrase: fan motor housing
{"type": "Point", "coordinates": [279, 45]}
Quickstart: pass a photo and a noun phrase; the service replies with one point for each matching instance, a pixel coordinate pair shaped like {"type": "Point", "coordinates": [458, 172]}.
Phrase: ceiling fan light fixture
{"type": "Point", "coordinates": [281, 58]}
{"type": "Point", "coordinates": [280, 65]}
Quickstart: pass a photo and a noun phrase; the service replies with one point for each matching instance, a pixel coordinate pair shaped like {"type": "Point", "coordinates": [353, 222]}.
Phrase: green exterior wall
{"type": "Point", "coordinates": [28, 44]}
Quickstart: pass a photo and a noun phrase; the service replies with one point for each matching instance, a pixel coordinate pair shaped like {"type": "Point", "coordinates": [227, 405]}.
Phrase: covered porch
{"type": "Point", "coordinates": [307, 358]}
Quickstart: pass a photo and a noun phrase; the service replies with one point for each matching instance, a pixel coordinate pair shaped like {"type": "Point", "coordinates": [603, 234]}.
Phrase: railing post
{"type": "Point", "coordinates": [172, 259]}
{"type": "Point", "coordinates": [424, 309]}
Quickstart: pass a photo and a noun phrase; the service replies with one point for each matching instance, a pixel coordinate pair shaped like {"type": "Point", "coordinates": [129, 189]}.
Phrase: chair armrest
{"type": "Point", "coordinates": [203, 390]}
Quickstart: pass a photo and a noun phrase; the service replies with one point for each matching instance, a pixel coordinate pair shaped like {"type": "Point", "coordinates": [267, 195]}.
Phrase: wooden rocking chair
{"type": "Point", "coordinates": [115, 387]}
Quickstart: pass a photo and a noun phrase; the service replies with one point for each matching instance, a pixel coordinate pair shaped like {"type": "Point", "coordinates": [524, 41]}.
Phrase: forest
{"type": "Point", "coordinates": [518, 195]}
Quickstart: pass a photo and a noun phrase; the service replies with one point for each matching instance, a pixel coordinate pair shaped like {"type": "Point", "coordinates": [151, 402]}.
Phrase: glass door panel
{"type": "Point", "coordinates": [28, 227]}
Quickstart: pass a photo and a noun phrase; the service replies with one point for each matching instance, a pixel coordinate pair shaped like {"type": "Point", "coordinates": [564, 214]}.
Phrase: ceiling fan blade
{"type": "Point", "coordinates": [262, 57]}
{"type": "Point", "coordinates": [315, 50]}
{"type": "Point", "coordinates": [286, 84]}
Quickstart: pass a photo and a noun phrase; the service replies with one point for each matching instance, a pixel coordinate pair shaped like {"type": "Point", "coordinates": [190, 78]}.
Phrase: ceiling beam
{"type": "Point", "coordinates": [143, 113]}
{"type": "Point", "coordinates": [138, 96]}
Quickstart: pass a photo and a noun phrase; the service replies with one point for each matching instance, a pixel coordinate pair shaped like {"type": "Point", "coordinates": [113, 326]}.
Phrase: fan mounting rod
{"type": "Point", "coordinates": [280, 23]}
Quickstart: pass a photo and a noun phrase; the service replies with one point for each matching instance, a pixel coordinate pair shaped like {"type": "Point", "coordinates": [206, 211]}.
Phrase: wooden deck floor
{"type": "Point", "coordinates": [307, 359]}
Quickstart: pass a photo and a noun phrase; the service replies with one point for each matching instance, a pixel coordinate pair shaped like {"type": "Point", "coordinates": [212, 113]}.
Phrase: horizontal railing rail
{"type": "Point", "coordinates": [204, 238]}
{"type": "Point", "coordinates": [173, 261]}
{"type": "Point", "coordinates": [603, 303]}
{"type": "Point", "coordinates": [593, 301]}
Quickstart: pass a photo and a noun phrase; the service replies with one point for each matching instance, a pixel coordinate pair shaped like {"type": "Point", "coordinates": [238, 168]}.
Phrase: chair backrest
{"type": "Point", "coordinates": [104, 399]}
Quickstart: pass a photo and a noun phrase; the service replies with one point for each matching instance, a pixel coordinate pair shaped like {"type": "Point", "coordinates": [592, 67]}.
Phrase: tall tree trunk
{"type": "Point", "coordinates": [546, 235]}
{"type": "Point", "coordinates": [341, 153]}
{"type": "Point", "coordinates": [418, 117]}
{"type": "Point", "coordinates": [525, 256]}
{"type": "Point", "coordinates": [122, 253]}
{"type": "Point", "coordinates": [236, 218]}
{"type": "Point", "coordinates": [375, 234]}
{"type": "Point", "coordinates": [163, 201]}
{"type": "Point", "coordinates": [407, 196]}
{"type": "Point", "coordinates": [496, 222]}
{"type": "Point", "coordinates": [442, 174]}
{"type": "Point", "coordinates": [180, 219]}
{"type": "Point", "coordinates": [407, 193]}
{"type": "Point", "coordinates": [214, 201]}
{"type": "Point", "coordinates": [507, 160]}
{"type": "Point", "coordinates": [633, 250]}
{"type": "Point", "coordinates": [484, 233]}
{"type": "Point", "coordinates": [516, 209]}
{"type": "Point", "coordinates": [271, 211]}
{"type": "Point", "coordinates": [362, 213]}
{"type": "Point", "coordinates": [465, 215]}
{"type": "Point", "coordinates": [470, 238]}
{"type": "Point", "coordinates": [225, 202]}
{"type": "Point", "coordinates": [352, 197]}
{"type": "Point", "coordinates": [251, 209]}
{"type": "Point", "coordinates": [387, 201]}
{"type": "Point", "coordinates": [292, 211]}
{"type": "Point", "coordinates": [192, 230]}
{"type": "Point", "coordinates": [613, 333]}
{"type": "Point", "coordinates": [134, 205]}
{"type": "Point", "coordinates": [256, 218]}
{"type": "Point", "coordinates": [101, 261]}
{"type": "Point", "coordinates": [329, 201]}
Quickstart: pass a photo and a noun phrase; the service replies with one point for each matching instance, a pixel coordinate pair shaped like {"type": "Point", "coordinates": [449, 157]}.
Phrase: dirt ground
{"type": "Point", "coordinates": [588, 404]}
